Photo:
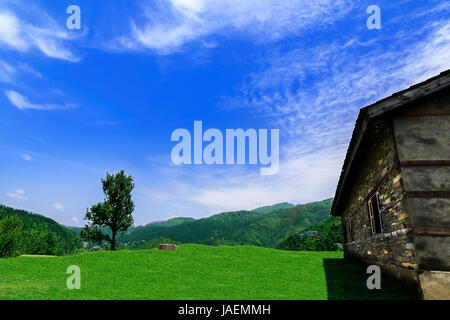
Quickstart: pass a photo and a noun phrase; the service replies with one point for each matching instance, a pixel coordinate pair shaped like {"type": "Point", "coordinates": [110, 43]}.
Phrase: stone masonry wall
{"type": "Point", "coordinates": [379, 170]}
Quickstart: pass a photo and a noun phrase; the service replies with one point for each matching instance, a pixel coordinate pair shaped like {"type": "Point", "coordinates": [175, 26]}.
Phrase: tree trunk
{"type": "Point", "coordinates": [113, 240]}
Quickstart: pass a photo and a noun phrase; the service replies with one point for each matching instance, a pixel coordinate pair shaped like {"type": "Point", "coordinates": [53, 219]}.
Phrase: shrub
{"type": "Point", "coordinates": [10, 237]}
{"type": "Point", "coordinates": [40, 240]}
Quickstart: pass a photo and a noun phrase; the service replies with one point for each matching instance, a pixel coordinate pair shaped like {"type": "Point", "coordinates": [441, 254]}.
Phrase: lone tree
{"type": "Point", "coordinates": [114, 212]}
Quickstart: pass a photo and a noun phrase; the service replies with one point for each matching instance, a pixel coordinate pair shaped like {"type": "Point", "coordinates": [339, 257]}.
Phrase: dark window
{"type": "Point", "coordinates": [349, 235]}
{"type": "Point", "coordinates": [345, 229]}
{"type": "Point", "coordinates": [352, 230]}
{"type": "Point", "coordinates": [376, 221]}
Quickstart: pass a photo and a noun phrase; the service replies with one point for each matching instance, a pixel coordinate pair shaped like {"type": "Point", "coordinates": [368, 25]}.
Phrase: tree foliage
{"type": "Point", "coordinates": [115, 212]}
{"type": "Point", "coordinates": [10, 237]}
{"type": "Point", "coordinates": [36, 235]}
{"type": "Point", "coordinates": [40, 240]}
{"type": "Point", "coordinates": [329, 238]}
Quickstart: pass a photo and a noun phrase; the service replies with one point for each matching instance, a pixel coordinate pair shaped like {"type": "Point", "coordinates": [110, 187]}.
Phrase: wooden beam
{"type": "Point", "coordinates": [421, 90]}
{"type": "Point", "coordinates": [432, 231]}
{"type": "Point", "coordinates": [425, 163]}
{"type": "Point", "coordinates": [427, 194]}
{"type": "Point", "coordinates": [426, 113]}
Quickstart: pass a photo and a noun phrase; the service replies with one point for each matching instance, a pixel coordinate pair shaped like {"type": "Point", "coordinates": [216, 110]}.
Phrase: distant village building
{"type": "Point", "coordinates": [309, 234]}
{"type": "Point", "coordinates": [393, 194]}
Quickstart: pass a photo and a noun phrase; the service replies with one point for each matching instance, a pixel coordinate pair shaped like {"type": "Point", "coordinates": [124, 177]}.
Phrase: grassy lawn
{"type": "Point", "coordinates": [191, 272]}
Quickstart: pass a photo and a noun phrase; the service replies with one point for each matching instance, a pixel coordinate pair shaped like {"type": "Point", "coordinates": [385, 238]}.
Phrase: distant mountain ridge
{"type": "Point", "coordinates": [171, 222]}
{"type": "Point", "coordinates": [166, 223]}
{"type": "Point", "coordinates": [259, 227]}
{"type": "Point", "coordinates": [267, 209]}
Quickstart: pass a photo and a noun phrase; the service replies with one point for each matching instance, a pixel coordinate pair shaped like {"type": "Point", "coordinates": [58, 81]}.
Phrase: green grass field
{"type": "Point", "coordinates": [191, 272]}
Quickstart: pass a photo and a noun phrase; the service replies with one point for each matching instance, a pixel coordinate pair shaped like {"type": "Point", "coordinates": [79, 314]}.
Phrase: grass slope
{"type": "Point", "coordinates": [191, 272]}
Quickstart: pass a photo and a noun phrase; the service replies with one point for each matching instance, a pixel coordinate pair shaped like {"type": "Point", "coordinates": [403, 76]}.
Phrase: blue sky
{"type": "Point", "coordinates": [77, 103]}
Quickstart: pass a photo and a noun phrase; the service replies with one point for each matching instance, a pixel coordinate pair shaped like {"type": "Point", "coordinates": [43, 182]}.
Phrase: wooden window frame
{"type": "Point", "coordinates": [345, 232]}
{"type": "Point", "coordinates": [371, 213]}
{"type": "Point", "coordinates": [352, 231]}
{"type": "Point", "coordinates": [349, 235]}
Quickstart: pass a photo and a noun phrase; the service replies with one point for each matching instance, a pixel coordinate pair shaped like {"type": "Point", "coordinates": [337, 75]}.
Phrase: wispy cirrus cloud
{"type": "Point", "coordinates": [21, 102]}
{"type": "Point", "coordinates": [17, 33]}
{"type": "Point", "coordinates": [169, 25]}
{"type": "Point", "coordinates": [9, 72]}
{"type": "Point", "coordinates": [320, 113]}
{"type": "Point", "coordinates": [313, 94]}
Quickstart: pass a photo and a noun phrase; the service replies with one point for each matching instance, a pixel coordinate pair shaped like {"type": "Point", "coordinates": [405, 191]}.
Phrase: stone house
{"type": "Point", "coordinates": [393, 194]}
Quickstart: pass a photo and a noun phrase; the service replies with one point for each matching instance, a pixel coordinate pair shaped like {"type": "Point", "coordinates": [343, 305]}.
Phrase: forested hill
{"type": "Point", "coordinates": [266, 226]}
{"type": "Point", "coordinates": [171, 222]}
{"type": "Point", "coordinates": [39, 231]}
{"type": "Point", "coordinates": [166, 223]}
{"type": "Point", "coordinates": [267, 209]}
{"type": "Point", "coordinates": [257, 227]}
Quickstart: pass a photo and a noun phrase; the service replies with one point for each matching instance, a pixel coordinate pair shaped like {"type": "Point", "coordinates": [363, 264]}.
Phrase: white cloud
{"type": "Point", "coordinates": [75, 220]}
{"type": "Point", "coordinates": [25, 156]}
{"type": "Point", "coordinates": [169, 25]}
{"type": "Point", "coordinates": [18, 195]}
{"type": "Point", "coordinates": [300, 180]}
{"type": "Point", "coordinates": [58, 206]}
{"type": "Point", "coordinates": [10, 31]}
{"type": "Point", "coordinates": [49, 38]}
{"type": "Point", "coordinates": [9, 73]}
{"type": "Point", "coordinates": [22, 103]}
{"type": "Point", "coordinates": [201, 191]}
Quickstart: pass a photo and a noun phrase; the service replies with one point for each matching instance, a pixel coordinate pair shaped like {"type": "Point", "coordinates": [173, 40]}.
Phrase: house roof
{"type": "Point", "coordinates": [379, 108]}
